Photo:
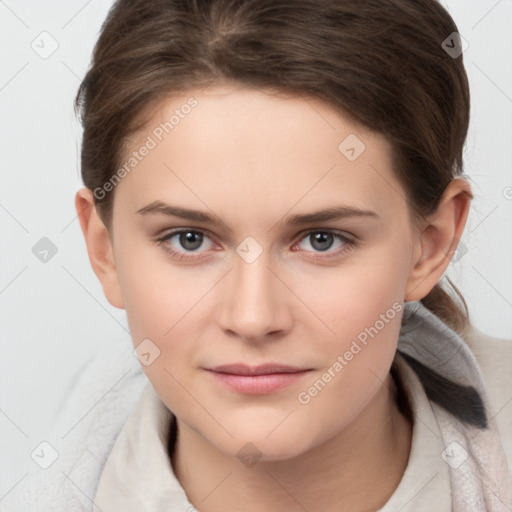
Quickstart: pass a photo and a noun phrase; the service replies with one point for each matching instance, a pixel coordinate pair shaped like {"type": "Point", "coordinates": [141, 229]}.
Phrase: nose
{"type": "Point", "coordinates": [254, 303]}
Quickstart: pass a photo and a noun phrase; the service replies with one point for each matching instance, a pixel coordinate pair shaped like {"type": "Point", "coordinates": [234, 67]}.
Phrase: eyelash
{"type": "Point", "coordinates": [349, 244]}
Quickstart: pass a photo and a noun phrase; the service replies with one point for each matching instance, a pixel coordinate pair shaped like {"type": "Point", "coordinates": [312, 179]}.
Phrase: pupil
{"type": "Point", "coordinates": [188, 237]}
{"type": "Point", "coordinates": [324, 239]}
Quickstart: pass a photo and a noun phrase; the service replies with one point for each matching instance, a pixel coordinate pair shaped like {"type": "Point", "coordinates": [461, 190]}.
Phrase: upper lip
{"type": "Point", "coordinates": [264, 369]}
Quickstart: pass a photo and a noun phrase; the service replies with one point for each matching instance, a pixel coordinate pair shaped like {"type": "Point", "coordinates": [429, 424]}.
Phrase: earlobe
{"type": "Point", "coordinates": [439, 239]}
{"type": "Point", "coordinates": [99, 246]}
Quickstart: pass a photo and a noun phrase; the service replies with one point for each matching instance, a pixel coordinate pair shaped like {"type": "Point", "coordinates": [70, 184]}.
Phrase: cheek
{"type": "Point", "coordinates": [162, 304]}
{"type": "Point", "coordinates": [351, 298]}
{"type": "Point", "coordinates": [362, 306]}
{"type": "Point", "coordinates": [159, 304]}
{"type": "Point", "coordinates": [356, 365]}
{"type": "Point", "coordinates": [156, 294]}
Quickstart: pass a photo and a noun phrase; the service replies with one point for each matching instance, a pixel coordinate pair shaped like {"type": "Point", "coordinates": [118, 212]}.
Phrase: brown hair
{"type": "Point", "coordinates": [381, 62]}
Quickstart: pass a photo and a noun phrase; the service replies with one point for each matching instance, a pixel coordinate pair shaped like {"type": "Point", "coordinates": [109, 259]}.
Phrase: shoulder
{"type": "Point", "coordinates": [97, 405]}
{"type": "Point", "coordinates": [494, 357]}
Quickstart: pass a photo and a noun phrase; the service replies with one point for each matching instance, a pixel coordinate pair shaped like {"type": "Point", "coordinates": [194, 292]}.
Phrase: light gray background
{"type": "Point", "coordinates": [54, 314]}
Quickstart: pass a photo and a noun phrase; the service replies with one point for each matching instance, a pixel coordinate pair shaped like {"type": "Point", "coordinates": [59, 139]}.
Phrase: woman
{"type": "Point", "coordinates": [273, 191]}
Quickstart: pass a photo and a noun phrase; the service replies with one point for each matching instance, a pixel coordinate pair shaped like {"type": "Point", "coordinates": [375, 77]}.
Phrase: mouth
{"type": "Point", "coordinates": [260, 379]}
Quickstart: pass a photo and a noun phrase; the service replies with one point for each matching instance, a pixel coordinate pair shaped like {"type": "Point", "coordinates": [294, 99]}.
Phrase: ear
{"type": "Point", "coordinates": [99, 247]}
{"type": "Point", "coordinates": [439, 239]}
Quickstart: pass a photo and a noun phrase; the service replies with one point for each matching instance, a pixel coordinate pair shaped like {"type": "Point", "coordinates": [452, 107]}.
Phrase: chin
{"type": "Point", "coordinates": [263, 450]}
{"type": "Point", "coordinates": [255, 443]}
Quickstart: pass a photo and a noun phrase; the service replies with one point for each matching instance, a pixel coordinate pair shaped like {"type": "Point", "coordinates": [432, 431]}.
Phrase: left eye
{"type": "Point", "coordinates": [324, 240]}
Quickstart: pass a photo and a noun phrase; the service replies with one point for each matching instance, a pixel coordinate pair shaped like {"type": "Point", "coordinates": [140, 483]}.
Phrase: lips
{"type": "Point", "coordinates": [264, 369]}
{"type": "Point", "coordinates": [255, 380]}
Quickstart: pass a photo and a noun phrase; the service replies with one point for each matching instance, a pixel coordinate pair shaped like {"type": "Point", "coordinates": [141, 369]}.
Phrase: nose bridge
{"type": "Point", "coordinates": [253, 305]}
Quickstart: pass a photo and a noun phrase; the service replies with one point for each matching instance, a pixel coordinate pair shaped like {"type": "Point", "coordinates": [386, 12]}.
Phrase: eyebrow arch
{"type": "Point", "coordinates": [158, 207]}
{"type": "Point", "coordinates": [333, 213]}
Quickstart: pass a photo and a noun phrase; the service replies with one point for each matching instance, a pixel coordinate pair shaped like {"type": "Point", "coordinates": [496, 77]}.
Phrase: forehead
{"type": "Point", "coordinates": [219, 141]}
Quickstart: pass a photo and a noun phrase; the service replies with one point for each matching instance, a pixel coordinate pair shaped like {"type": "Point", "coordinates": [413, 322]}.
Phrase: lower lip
{"type": "Point", "coordinates": [258, 384]}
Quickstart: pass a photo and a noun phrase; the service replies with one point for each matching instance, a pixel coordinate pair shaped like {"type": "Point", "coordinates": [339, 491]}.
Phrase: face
{"type": "Point", "coordinates": [248, 281]}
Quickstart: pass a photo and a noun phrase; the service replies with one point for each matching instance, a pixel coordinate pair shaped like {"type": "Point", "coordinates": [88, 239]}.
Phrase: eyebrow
{"type": "Point", "coordinates": [326, 214]}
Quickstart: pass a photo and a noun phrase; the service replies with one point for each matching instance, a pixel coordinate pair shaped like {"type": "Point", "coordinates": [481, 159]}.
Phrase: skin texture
{"type": "Point", "coordinates": [253, 158]}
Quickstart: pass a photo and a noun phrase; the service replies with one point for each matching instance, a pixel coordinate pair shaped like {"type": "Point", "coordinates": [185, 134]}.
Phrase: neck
{"type": "Point", "coordinates": [351, 469]}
